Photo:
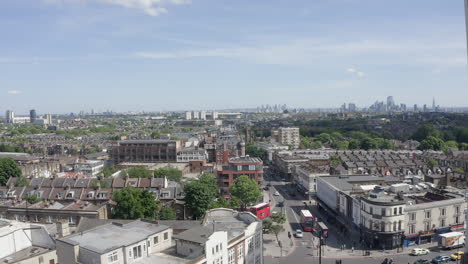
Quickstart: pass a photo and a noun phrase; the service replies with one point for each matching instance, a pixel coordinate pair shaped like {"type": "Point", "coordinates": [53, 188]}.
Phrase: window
{"type": "Point", "coordinates": [166, 236]}
{"type": "Point", "coordinates": [412, 216]}
{"type": "Point", "coordinates": [217, 248]}
{"type": "Point", "coordinates": [457, 209]}
{"type": "Point", "coordinates": [136, 252]}
{"type": "Point", "coordinates": [427, 226]}
{"type": "Point", "coordinates": [399, 225]}
{"type": "Point", "coordinates": [394, 226]}
{"type": "Point", "coordinates": [250, 246]}
{"type": "Point", "coordinates": [41, 260]}
{"type": "Point", "coordinates": [231, 256]}
{"type": "Point", "coordinates": [400, 210]}
{"type": "Point", "coordinates": [155, 240]}
{"type": "Point", "coordinates": [427, 214]}
{"type": "Point", "coordinates": [251, 167]}
{"type": "Point", "coordinates": [395, 211]}
{"type": "Point", "coordinates": [239, 167]}
{"type": "Point", "coordinates": [442, 211]}
{"type": "Point", "coordinates": [411, 228]}
{"type": "Point", "coordinates": [112, 257]}
{"type": "Point", "coordinates": [383, 211]}
{"type": "Point", "coordinates": [457, 219]}
{"type": "Point", "coordinates": [371, 210]}
{"type": "Point", "coordinates": [382, 226]}
{"type": "Point", "coordinates": [221, 246]}
{"type": "Point", "coordinates": [240, 252]}
{"type": "Point", "coordinates": [442, 222]}
{"type": "Point", "coordinates": [212, 250]}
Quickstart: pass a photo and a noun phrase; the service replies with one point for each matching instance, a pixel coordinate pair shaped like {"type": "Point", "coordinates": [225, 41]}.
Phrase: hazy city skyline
{"type": "Point", "coordinates": [71, 55]}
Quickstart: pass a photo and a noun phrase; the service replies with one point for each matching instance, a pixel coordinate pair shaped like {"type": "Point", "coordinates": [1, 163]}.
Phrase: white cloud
{"type": "Point", "coordinates": [149, 7]}
{"type": "Point", "coordinates": [356, 72]}
{"type": "Point", "coordinates": [306, 51]}
{"type": "Point", "coordinates": [14, 92]}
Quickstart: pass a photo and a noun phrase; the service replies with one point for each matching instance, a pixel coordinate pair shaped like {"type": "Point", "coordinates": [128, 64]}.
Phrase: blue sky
{"type": "Point", "coordinates": [69, 55]}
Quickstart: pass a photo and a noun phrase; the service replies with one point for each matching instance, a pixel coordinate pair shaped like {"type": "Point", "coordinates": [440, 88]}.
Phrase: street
{"type": "Point", "coordinates": [305, 249]}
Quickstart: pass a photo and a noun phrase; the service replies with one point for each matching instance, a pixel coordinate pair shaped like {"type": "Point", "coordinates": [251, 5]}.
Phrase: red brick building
{"type": "Point", "coordinates": [252, 167]}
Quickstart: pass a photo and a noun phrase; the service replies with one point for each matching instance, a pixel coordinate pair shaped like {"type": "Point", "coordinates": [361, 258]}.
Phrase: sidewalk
{"type": "Point", "coordinates": [270, 244]}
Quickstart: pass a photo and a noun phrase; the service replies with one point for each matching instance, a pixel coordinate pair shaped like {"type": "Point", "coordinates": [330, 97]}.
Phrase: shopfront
{"type": "Point", "coordinates": [426, 237]}
{"type": "Point", "coordinates": [411, 240]}
{"type": "Point", "coordinates": [457, 228]}
{"type": "Point", "coordinates": [441, 231]}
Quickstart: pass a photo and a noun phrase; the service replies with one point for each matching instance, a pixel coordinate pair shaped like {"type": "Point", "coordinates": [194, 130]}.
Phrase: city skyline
{"type": "Point", "coordinates": [188, 54]}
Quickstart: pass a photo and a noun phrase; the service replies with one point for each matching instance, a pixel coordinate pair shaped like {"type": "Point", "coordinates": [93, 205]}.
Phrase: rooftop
{"type": "Point", "coordinates": [111, 236]}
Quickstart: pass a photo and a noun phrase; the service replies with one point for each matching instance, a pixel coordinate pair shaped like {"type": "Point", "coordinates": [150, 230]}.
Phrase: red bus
{"type": "Point", "coordinates": [262, 210]}
{"type": "Point", "coordinates": [307, 221]}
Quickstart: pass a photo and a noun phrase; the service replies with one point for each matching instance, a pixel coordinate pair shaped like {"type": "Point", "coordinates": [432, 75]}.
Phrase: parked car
{"type": "Point", "coordinates": [276, 193]}
{"type": "Point", "coordinates": [440, 259]}
{"type": "Point", "coordinates": [457, 255]}
{"type": "Point", "coordinates": [299, 233]}
{"type": "Point", "coordinates": [422, 261]}
{"type": "Point", "coordinates": [419, 251]}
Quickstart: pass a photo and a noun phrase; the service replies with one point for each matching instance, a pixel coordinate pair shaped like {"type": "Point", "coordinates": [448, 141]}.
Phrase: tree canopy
{"type": "Point", "coordinates": [133, 203]}
{"type": "Point", "coordinates": [139, 172]}
{"type": "Point", "coordinates": [255, 151]}
{"type": "Point", "coordinates": [200, 194]}
{"type": "Point", "coordinates": [172, 174]}
{"type": "Point", "coordinates": [246, 190]}
{"type": "Point", "coordinates": [167, 213]}
{"type": "Point", "coordinates": [8, 168]}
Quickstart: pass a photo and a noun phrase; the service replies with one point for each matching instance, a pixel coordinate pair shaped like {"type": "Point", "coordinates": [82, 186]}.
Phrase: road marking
{"type": "Point", "coordinates": [294, 213]}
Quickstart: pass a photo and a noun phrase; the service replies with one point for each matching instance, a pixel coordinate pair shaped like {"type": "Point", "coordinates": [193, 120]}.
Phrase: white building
{"type": "Point", "coordinates": [25, 243]}
{"type": "Point", "coordinates": [9, 116]}
{"type": "Point", "coordinates": [203, 115]}
{"type": "Point", "coordinates": [115, 243]}
{"type": "Point", "coordinates": [288, 136]}
{"type": "Point", "coordinates": [90, 168]}
{"type": "Point", "coordinates": [188, 115]}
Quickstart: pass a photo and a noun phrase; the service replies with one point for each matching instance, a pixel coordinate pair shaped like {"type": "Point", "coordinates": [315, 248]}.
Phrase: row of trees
{"type": "Point", "coordinates": [431, 138]}
{"type": "Point", "coordinates": [354, 140]}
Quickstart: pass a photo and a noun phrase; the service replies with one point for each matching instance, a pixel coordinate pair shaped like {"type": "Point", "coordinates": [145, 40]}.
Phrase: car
{"type": "Point", "coordinates": [422, 261]}
{"type": "Point", "coordinates": [276, 193]}
{"type": "Point", "coordinates": [440, 259]}
{"type": "Point", "coordinates": [266, 188]}
{"type": "Point", "coordinates": [299, 233]}
{"type": "Point", "coordinates": [283, 179]}
{"type": "Point", "coordinates": [457, 255]}
{"type": "Point", "coordinates": [419, 251]}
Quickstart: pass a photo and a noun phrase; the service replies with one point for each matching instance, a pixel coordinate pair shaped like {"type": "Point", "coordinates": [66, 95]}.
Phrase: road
{"type": "Point", "coordinates": [306, 250]}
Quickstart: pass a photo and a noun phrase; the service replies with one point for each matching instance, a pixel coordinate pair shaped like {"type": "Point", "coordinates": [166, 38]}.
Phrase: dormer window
{"type": "Point", "coordinates": [59, 196]}
{"type": "Point", "coordinates": [70, 195]}
{"type": "Point", "coordinates": [90, 195]}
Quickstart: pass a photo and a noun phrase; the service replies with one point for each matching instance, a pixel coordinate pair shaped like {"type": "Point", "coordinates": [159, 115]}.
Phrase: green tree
{"type": "Point", "coordinates": [133, 203]}
{"type": "Point", "coordinates": [172, 174]}
{"type": "Point", "coordinates": [458, 170]}
{"type": "Point", "coordinates": [425, 131]}
{"type": "Point", "coordinates": [451, 144]}
{"type": "Point", "coordinates": [267, 223]}
{"type": "Point", "coordinates": [433, 163]}
{"type": "Point", "coordinates": [32, 198]}
{"type": "Point", "coordinates": [198, 197]}
{"type": "Point", "coordinates": [316, 144]}
{"type": "Point", "coordinates": [335, 160]}
{"type": "Point", "coordinates": [209, 180]}
{"type": "Point", "coordinates": [324, 138]}
{"type": "Point", "coordinates": [278, 218]}
{"type": "Point", "coordinates": [139, 172]}
{"type": "Point", "coordinates": [433, 143]}
{"type": "Point", "coordinates": [340, 144]}
{"type": "Point", "coordinates": [246, 190]}
{"type": "Point", "coordinates": [354, 144]}
{"type": "Point", "coordinates": [255, 151]}
{"type": "Point", "coordinates": [8, 168]}
{"type": "Point", "coordinates": [108, 171]}
{"type": "Point", "coordinates": [305, 142]}
{"type": "Point", "coordinates": [276, 229]}
{"type": "Point", "coordinates": [167, 213]}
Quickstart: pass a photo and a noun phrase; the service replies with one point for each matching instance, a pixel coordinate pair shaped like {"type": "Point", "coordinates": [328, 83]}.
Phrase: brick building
{"type": "Point", "coordinates": [250, 166]}
{"type": "Point", "coordinates": [159, 150]}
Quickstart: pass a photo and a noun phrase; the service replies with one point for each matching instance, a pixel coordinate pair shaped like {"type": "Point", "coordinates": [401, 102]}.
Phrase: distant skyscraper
{"type": "Point", "coordinates": [9, 117]}
{"type": "Point", "coordinates": [433, 104]}
{"type": "Point", "coordinates": [49, 119]}
{"type": "Point", "coordinates": [32, 116]}
{"type": "Point", "coordinates": [352, 107]}
{"type": "Point", "coordinates": [390, 103]}
{"type": "Point", "coordinates": [415, 108]}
